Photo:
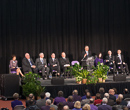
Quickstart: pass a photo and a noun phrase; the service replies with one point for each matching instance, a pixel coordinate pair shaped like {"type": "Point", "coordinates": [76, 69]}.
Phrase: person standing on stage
{"type": "Point", "coordinates": [28, 64]}
{"type": "Point", "coordinates": [41, 64]}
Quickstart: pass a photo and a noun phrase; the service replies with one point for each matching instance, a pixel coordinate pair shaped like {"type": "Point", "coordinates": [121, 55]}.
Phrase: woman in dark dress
{"type": "Point", "coordinates": [14, 66]}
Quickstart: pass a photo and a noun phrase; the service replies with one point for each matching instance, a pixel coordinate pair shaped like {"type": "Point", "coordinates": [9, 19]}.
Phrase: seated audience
{"type": "Point", "coordinates": [14, 66]}
{"type": "Point", "coordinates": [125, 108]}
{"type": "Point", "coordinates": [101, 91]}
{"type": "Point", "coordinates": [64, 63]}
{"type": "Point", "coordinates": [87, 100]}
{"type": "Point", "coordinates": [76, 97]}
{"type": "Point", "coordinates": [110, 101]}
{"type": "Point", "coordinates": [41, 102]}
{"type": "Point", "coordinates": [54, 64]}
{"type": "Point", "coordinates": [98, 99]}
{"type": "Point", "coordinates": [60, 106]}
{"type": "Point", "coordinates": [47, 94]}
{"type": "Point", "coordinates": [77, 106]}
{"type": "Point", "coordinates": [60, 98]}
{"type": "Point", "coordinates": [31, 101]}
{"type": "Point", "coordinates": [47, 107]}
{"type": "Point", "coordinates": [98, 59]}
{"type": "Point", "coordinates": [126, 93]}
{"type": "Point", "coordinates": [66, 107]}
{"type": "Point", "coordinates": [28, 65]}
{"type": "Point", "coordinates": [70, 102]}
{"type": "Point", "coordinates": [110, 61]}
{"type": "Point", "coordinates": [92, 106]}
{"type": "Point", "coordinates": [41, 64]}
{"type": "Point", "coordinates": [85, 92]}
{"type": "Point", "coordinates": [122, 102]}
{"type": "Point", "coordinates": [16, 100]}
{"type": "Point", "coordinates": [52, 105]}
{"type": "Point", "coordinates": [104, 105]}
{"type": "Point", "coordinates": [86, 107]}
{"type": "Point", "coordinates": [111, 95]}
{"type": "Point", "coordinates": [115, 90]}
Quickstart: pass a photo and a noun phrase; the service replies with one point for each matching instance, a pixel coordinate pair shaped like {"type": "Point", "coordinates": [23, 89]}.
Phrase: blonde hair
{"type": "Point", "coordinates": [77, 104]}
{"type": "Point", "coordinates": [86, 107]}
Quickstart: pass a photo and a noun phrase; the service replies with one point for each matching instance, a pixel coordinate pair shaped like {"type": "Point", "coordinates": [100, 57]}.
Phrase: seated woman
{"type": "Point", "coordinates": [98, 59]}
{"type": "Point", "coordinates": [14, 66]}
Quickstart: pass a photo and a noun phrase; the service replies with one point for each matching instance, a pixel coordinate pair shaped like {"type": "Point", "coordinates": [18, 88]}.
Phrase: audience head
{"type": "Point", "coordinates": [86, 107]}
{"type": "Point", "coordinates": [70, 99]}
{"type": "Point", "coordinates": [100, 55]}
{"type": "Point", "coordinates": [118, 101]}
{"type": "Point", "coordinates": [104, 100]}
{"type": "Point", "coordinates": [14, 57]}
{"type": "Point", "coordinates": [125, 108]}
{"type": "Point", "coordinates": [75, 92]}
{"type": "Point", "coordinates": [16, 96]}
{"type": "Point", "coordinates": [63, 54]}
{"type": "Point", "coordinates": [77, 104]}
{"type": "Point", "coordinates": [60, 94]}
{"type": "Point", "coordinates": [126, 91]}
{"type": "Point", "coordinates": [66, 107]}
{"type": "Point", "coordinates": [88, 95]}
{"type": "Point", "coordinates": [60, 106]}
{"type": "Point", "coordinates": [91, 101]}
{"type": "Point", "coordinates": [31, 96]}
{"type": "Point", "coordinates": [106, 95]}
{"type": "Point", "coordinates": [48, 102]}
{"type": "Point", "coordinates": [86, 90]}
{"type": "Point", "coordinates": [53, 55]}
{"type": "Point", "coordinates": [109, 52]}
{"type": "Point", "coordinates": [86, 48]}
{"type": "Point", "coordinates": [119, 51]}
{"type": "Point", "coordinates": [98, 96]}
{"type": "Point", "coordinates": [47, 95]}
{"type": "Point", "coordinates": [120, 96]}
{"type": "Point", "coordinates": [42, 95]}
{"type": "Point", "coordinates": [115, 90]}
{"type": "Point", "coordinates": [27, 55]}
{"type": "Point", "coordinates": [111, 91]}
{"type": "Point", "coordinates": [101, 90]}
{"type": "Point", "coordinates": [41, 55]}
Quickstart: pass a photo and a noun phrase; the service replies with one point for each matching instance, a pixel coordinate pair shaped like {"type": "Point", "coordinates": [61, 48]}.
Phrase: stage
{"type": "Point", "coordinates": [70, 84]}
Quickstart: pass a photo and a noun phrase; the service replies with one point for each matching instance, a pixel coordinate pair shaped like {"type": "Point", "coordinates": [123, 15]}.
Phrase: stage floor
{"type": "Point", "coordinates": [70, 84]}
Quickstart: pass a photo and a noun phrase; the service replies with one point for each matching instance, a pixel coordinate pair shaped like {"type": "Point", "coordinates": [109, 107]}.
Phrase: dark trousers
{"type": "Point", "coordinates": [34, 70]}
{"type": "Point", "coordinates": [43, 69]}
{"type": "Point", "coordinates": [57, 68]}
{"type": "Point", "coordinates": [123, 67]}
{"type": "Point", "coordinates": [112, 66]}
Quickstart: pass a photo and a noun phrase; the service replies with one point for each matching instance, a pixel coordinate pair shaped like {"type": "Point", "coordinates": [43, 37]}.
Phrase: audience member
{"type": "Point", "coordinates": [115, 90]}
{"type": "Point", "coordinates": [111, 95]}
{"type": "Point", "coordinates": [98, 99]}
{"type": "Point", "coordinates": [122, 102]}
{"type": "Point", "coordinates": [47, 107]}
{"type": "Point", "coordinates": [60, 98]}
{"type": "Point", "coordinates": [52, 105]}
{"type": "Point", "coordinates": [31, 101]}
{"type": "Point", "coordinates": [66, 107]}
{"type": "Point", "coordinates": [76, 97]}
{"type": "Point", "coordinates": [70, 102]}
{"type": "Point", "coordinates": [86, 107]}
{"type": "Point", "coordinates": [77, 106]}
{"type": "Point", "coordinates": [16, 100]}
{"type": "Point", "coordinates": [87, 100]}
{"type": "Point", "coordinates": [126, 93]}
{"type": "Point", "coordinates": [92, 106]}
{"type": "Point", "coordinates": [101, 91]}
{"type": "Point", "coordinates": [47, 94]}
{"type": "Point", "coordinates": [110, 101]}
{"type": "Point", "coordinates": [104, 105]}
{"type": "Point", "coordinates": [41, 102]}
{"type": "Point", "coordinates": [85, 92]}
{"type": "Point", "coordinates": [60, 106]}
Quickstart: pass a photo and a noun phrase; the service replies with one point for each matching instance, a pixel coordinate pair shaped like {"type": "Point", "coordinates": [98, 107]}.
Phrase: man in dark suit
{"type": "Point", "coordinates": [110, 101]}
{"type": "Point", "coordinates": [104, 105]}
{"type": "Point", "coordinates": [111, 95]}
{"type": "Point", "coordinates": [47, 107]}
{"type": "Point", "coordinates": [64, 63]}
{"type": "Point", "coordinates": [85, 55]}
{"type": "Point", "coordinates": [110, 61]}
{"type": "Point", "coordinates": [28, 64]}
{"type": "Point", "coordinates": [54, 64]}
{"type": "Point", "coordinates": [41, 64]}
{"type": "Point", "coordinates": [121, 63]}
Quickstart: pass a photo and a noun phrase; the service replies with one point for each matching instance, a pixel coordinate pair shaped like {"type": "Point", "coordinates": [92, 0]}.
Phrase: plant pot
{"type": "Point", "coordinates": [99, 79]}
{"type": "Point", "coordinates": [78, 82]}
{"type": "Point", "coordinates": [84, 81]}
{"type": "Point", "coordinates": [38, 97]}
{"type": "Point", "coordinates": [103, 80]}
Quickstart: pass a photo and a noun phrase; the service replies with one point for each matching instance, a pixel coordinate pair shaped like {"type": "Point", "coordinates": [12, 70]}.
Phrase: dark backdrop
{"type": "Point", "coordinates": [62, 25]}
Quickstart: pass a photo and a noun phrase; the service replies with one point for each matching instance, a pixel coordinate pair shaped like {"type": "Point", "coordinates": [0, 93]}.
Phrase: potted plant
{"type": "Point", "coordinates": [78, 79]}
{"type": "Point", "coordinates": [100, 72]}
{"type": "Point", "coordinates": [39, 90]}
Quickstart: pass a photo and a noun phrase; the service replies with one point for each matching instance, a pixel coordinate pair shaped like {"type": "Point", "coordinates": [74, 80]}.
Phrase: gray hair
{"type": "Point", "coordinates": [48, 101]}
{"type": "Point", "coordinates": [120, 96]}
{"type": "Point", "coordinates": [106, 95]}
{"type": "Point", "coordinates": [66, 107]}
{"type": "Point", "coordinates": [41, 53]}
{"type": "Point", "coordinates": [104, 100]}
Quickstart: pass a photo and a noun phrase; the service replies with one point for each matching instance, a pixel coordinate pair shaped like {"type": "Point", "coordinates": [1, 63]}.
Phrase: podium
{"type": "Point", "coordinates": [88, 63]}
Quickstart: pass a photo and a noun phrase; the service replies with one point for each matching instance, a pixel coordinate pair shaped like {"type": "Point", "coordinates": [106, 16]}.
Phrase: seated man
{"type": "Point", "coordinates": [64, 63]}
{"type": "Point", "coordinates": [28, 64]}
{"type": "Point", "coordinates": [41, 64]}
{"type": "Point", "coordinates": [109, 61]}
{"type": "Point", "coordinates": [120, 63]}
{"type": "Point", "coordinates": [54, 64]}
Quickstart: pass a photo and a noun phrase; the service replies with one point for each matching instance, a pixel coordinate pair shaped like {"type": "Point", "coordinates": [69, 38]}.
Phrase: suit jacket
{"type": "Point", "coordinates": [110, 102]}
{"type": "Point", "coordinates": [39, 63]}
{"type": "Point", "coordinates": [112, 97]}
{"type": "Point", "coordinates": [126, 96]}
{"type": "Point", "coordinates": [40, 103]}
{"type": "Point", "coordinates": [84, 52]}
{"type": "Point", "coordinates": [111, 59]}
{"type": "Point", "coordinates": [104, 107]}
{"type": "Point", "coordinates": [51, 62]}
{"type": "Point", "coordinates": [118, 59]}
{"type": "Point", "coordinates": [26, 65]}
{"type": "Point", "coordinates": [45, 108]}
{"type": "Point", "coordinates": [64, 61]}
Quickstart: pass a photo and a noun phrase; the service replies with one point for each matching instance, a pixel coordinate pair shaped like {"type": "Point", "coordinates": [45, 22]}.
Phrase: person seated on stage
{"type": "Point", "coordinates": [31, 101]}
{"type": "Point", "coordinates": [47, 107]}
{"type": "Point", "coordinates": [64, 63]}
{"type": "Point", "coordinates": [121, 63]}
{"type": "Point", "coordinates": [28, 64]}
{"type": "Point", "coordinates": [54, 64]}
{"type": "Point", "coordinates": [110, 61]}
{"type": "Point", "coordinates": [41, 64]}
{"type": "Point", "coordinates": [98, 99]}
{"type": "Point", "coordinates": [85, 55]}
{"type": "Point", "coordinates": [14, 66]}
{"type": "Point", "coordinates": [16, 101]}
{"type": "Point", "coordinates": [98, 59]}
{"type": "Point", "coordinates": [76, 97]}
{"type": "Point", "coordinates": [77, 106]}
{"type": "Point", "coordinates": [60, 98]}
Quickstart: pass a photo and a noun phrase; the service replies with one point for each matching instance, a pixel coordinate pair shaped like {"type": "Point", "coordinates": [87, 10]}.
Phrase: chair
{"type": "Point", "coordinates": [11, 71]}
{"type": "Point", "coordinates": [19, 107]}
{"type": "Point", "coordinates": [74, 62]}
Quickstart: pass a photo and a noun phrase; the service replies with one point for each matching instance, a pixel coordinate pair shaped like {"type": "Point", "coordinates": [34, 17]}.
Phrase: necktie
{"type": "Point", "coordinates": [42, 61]}
{"type": "Point", "coordinates": [30, 62]}
{"type": "Point", "coordinates": [120, 58]}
